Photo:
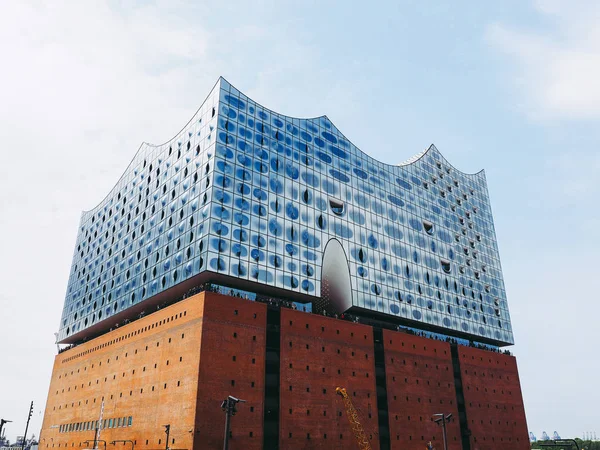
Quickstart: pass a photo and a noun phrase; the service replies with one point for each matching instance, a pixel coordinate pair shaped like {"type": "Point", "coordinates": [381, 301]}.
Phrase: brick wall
{"type": "Point", "coordinates": [176, 366]}
{"type": "Point", "coordinates": [232, 362]}
{"type": "Point", "coordinates": [420, 383]}
{"type": "Point", "coordinates": [317, 355]}
{"type": "Point", "coordinates": [493, 400]}
{"type": "Point", "coordinates": [147, 369]}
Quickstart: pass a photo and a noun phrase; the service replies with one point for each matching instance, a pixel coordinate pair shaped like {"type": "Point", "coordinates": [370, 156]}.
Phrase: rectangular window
{"type": "Point", "coordinates": [129, 422]}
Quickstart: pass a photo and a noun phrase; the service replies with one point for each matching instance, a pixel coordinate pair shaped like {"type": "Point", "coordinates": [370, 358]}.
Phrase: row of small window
{"type": "Point", "coordinates": [185, 211]}
{"type": "Point", "coordinates": [428, 226]}
{"type": "Point", "coordinates": [410, 198]}
{"type": "Point", "coordinates": [144, 214]}
{"type": "Point", "coordinates": [290, 436]}
{"type": "Point", "coordinates": [120, 213]}
{"type": "Point", "coordinates": [94, 424]}
{"type": "Point", "coordinates": [113, 231]}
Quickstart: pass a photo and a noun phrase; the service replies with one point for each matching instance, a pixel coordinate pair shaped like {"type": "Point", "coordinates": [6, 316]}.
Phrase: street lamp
{"type": "Point", "coordinates": [167, 432]}
{"type": "Point", "coordinates": [442, 419]}
{"type": "Point", "coordinates": [2, 422]}
{"type": "Point", "coordinates": [123, 441]}
{"type": "Point", "coordinates": [228, 406]}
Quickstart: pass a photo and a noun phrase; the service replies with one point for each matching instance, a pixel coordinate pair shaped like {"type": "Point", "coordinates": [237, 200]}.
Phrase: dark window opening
{"type": "Point", "coordinates": [445, 266]}
{"type": "Point", "coordinates": [428, 227]}
{"type": "Point", "coordinates": [337, 206]}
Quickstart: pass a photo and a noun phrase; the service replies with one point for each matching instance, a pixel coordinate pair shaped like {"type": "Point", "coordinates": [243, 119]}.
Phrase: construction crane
{"type": "Point", "coordinates": [357, 428]}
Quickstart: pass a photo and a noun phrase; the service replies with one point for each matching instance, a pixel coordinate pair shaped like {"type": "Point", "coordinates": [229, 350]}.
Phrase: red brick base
{"type": "Point", "coordinates": [176, 365]}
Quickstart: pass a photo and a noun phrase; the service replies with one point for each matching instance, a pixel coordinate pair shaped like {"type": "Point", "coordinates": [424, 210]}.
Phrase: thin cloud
{"type": "Point", "coordinates": [556, 65]}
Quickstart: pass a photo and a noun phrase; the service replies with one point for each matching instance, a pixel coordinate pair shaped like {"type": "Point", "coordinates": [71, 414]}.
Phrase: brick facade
{"type": "Point", "coordinates": [420, 383]}
{"type": "Point", "coordinates": [232, 362]}
{"type": "Point", "coordinates": [147, 369]}
{"type": "Point", "coordinates": [493, 400]}
{"type": "Point", "coordinates": [176, 365]}
{"type": "Point", "coordinates": [319, 354]}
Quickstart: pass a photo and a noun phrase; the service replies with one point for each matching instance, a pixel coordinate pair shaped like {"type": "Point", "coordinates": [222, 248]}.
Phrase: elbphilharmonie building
{"type": "Point", "coordinates": [263, 257]}
{"type": "Point", "coordinates": [290, 207]}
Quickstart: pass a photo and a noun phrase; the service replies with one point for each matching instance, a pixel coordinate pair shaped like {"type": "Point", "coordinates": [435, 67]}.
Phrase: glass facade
{"type": "Point", "coordinates": [250, 194]}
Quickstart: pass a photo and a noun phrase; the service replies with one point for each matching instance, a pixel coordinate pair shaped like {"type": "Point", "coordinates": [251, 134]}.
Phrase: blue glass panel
{"type": "Point", "coordinates": [403, 183]}
{"type": "Point", "coordinates": [338, 152]}
{"type": "Point", "coordinates": [275, 260]}
{"type": "Point", "coordinates": [291, 171]}
{"type": "Point", "coordinates": [224, 152]}
{"type": "Point", "coordinates": [259, 241]}
{"type": "Point", "coordinates": [239, 250]}
{"type": "Point", "coordinates": [275, 228]}
{"type": "Point", "coordinates": [310, 240]}
{"type": "Point", "coordinates": [323, 157]}
{"type": "Point", "coordinates": [257, 255]}
{"type": "Point", "coordinates": [308, 285]}
{"type": "Point", "coordinates": [393, 232]}
{"type": "Point", "coordinates": [395, 200]}
{"type": "Point", "coordinates": [235, 102]}
{"type": "Point", "coordinates": [342, 231]}
{"type": "Point", "coordinates": [329, 137]}
{"type": "Point", "coordinates": [310, 179]}
{"type": "Point", "coordinates": [339, 175]}
{"type": "Point", "coordinates": [291, 211]}
{"type": "Point", "coordinates": [361, 173]}
{"type": "Point", "coordinates": [244, 160]}
{"type": "Point", "coordinates": [291, 249]}
{"type": "Point", "coordinates": [276, 185]}
{"type": "Point", "coordinates": [329, 187]}
{"type": "Point", "coordinates": [218, 264]}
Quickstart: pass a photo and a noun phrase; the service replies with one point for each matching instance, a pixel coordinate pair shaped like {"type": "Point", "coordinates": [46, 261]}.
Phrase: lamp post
{"type": "Point", "coordinates": [123, 441]}
{"type": "Point", "coordinates": [228, 406]}
{"type": "Point", "coordinates": [167, 432]}
{"type": "Point", "coordinates": [2, 422]}
{"type": "Point", "coordinates": [442, 419]}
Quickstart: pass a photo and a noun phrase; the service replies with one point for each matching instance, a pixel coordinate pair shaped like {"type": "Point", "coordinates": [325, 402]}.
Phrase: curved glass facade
{"type": "Point", "coordinates": [250, 194]}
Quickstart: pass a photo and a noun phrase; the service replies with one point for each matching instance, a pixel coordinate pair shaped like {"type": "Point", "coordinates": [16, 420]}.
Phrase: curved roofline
{"type": "Point", "coordinates": [412, 160]}
{"type": "Point", "coordinates": [277, 112]}
{"type": "Point", "coordinates": [432, 147]}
